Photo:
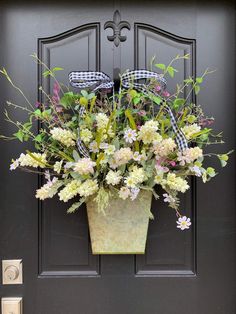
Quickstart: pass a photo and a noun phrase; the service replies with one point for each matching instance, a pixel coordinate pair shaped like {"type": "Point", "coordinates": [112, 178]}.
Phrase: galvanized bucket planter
{"type": "Point", "coordinates": [123, 228]}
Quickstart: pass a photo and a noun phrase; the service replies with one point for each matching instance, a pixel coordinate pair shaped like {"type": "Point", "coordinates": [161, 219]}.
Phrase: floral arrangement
{"type": "Point", "coordinates": [127, 138]}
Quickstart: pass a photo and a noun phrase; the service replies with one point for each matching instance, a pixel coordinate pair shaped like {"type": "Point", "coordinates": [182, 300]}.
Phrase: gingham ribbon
{"type": "Point", "coordinates": [100, 80]}
{"type": "Point", "coordinates": [130, 78]}
{"type": "Point", "coordinates": [90, 79]}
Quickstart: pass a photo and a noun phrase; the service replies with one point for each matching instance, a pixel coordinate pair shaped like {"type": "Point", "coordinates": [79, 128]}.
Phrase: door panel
{"type": "Point", "coordinates": [179, 269]}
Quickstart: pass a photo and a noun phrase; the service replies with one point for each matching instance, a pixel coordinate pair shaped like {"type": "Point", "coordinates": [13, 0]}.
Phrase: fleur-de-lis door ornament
{"type": "Point", "coordinates": [117, 25]}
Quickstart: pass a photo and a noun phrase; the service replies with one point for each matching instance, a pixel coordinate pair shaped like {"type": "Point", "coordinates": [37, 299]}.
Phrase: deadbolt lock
{"type": "Point", "coordinates": [12, 306]}
{"type": "Point", "coordinates": [12, 272]}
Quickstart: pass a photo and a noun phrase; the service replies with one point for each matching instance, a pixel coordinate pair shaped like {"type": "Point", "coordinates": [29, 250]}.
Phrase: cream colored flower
{"type": "Point", "coordinates": [164, 147]}
{"type": "Point", "coordinates": [102, 120]}
{"type": "Point", "coordinates": [86, 135]}
{"type": "Point", "coordinates": [84, 166]}
{"type": "Point", "coordinates": [135, 177]}
{"type": "Point", "coordinates": [48, 190]}
{"type": "Point", "coordinates": [123, 156]}
{"type": "Point", "coordinates": [66, 137]}
{"type": "Point", "coordinates": [148, 132]}
{"type": "Point", "coordinates": [69, 191]}
{"type": "Point", "coordinates": [124, 192]}
{"type": "Point", "coordinates": [189, 155]}
{"type": "Point", "coordinates": [190, 130]}
{"type": "Point", "coordinates": [176, 183]}
{"type": "Point", "coordinates": [88, 188]}
{"type": "Point", "coordinates": [113, 177]}
{"type": "Point", "coordinates": [57, 166]}
{"type": "Point", "coordinates": [34, 160]}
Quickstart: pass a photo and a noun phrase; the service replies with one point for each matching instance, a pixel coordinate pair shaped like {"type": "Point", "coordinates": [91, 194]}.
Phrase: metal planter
{"type": "Point", "coordinates": [123, 228]}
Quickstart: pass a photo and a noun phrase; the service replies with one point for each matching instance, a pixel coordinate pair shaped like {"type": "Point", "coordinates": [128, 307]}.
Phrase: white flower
{"type": "Point", "coordinates": [189, 155]}
{"type": "Point", "coordinates": [48, 190]}
{"type": "Point", "coordinates": [15, 164]}
{"type": "Point", "coordinates": [190, 130]}
{"type": "Point", "coordinates": [88, 188]}
{"type": "Point", "coordinates": [137, 156]}
{"type": "Point", "coordinates": [66, 137]}
{"type": "Point", "coordinates": [34, 160]}
{"type": "Point", "coordinates": [134, 193]}
{"type": "Point", "coordinates": [69, 191]}
{"type": "Point", "coordinates": [86, 135]}
{"type": "Point", "coordinates": [102, 120]}
{"type": "Point", "coordinates": [164, 147]}
{"type": "Point", "coordinates": [176, 183]}
{"type": "Point", "coordinates": [136, 176]}
{"type": "Point", "coordinates": [123, 156]}
{"type": "Point", "coordinates": [93, 147]}
{"type": "Point", "coordinates": [183, 223]}
{"type": "Point", "coordinates": [103, 145]}
{"type": "Point", "coordinates": [148, 132]}
{"type": "Point", "coordinates": [130, 136]}
{"type": "Point", "coordinates": [110, 150]}
{"type": "Point", "coordinates": [84, 166]}
{"type": "Point", "coordinates": [113, 177]}
{"type": "Point", "coordinates": [57, 166]}
{"type": "Point", "coordinates": [124, 192]}
{"type": "Point", "coordinates": [168, 198]}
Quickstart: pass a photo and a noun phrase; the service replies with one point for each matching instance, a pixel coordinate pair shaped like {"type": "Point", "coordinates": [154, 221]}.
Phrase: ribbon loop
{"type": "Point", "coordinates": [90, 79]}
{"type": "Point", "coordinates": [131, 78]}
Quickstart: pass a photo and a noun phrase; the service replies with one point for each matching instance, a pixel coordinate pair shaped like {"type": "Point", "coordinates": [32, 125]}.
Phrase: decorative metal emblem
{"type": "Point", "coordinates": [117, 25]}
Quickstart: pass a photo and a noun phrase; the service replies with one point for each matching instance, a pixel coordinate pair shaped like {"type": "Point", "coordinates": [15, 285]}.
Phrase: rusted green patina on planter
{"type": "Point", "coordinates": [123, 228]}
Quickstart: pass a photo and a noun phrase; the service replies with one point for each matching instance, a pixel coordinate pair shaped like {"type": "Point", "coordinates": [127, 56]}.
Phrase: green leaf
{"type": "Point", "coordinates": [57, 69]}
{"type": "Point", "coordinates": [38, 113]}
{"type": "Point", "coordinates": [160, 66]}
{"type": "Point", "coordinates": [76, 155]}
{"type": "Point", "coordinates": [178, 102]}
{"type": "Point", "coordinates": [46, 73]}
{"type": "Point", "coordinates": [38, 138]}
{"type": "Point", "coordinates": [199, 80]}
{"type": "Point", "coordinates": [191, 118]}
{"type": "Point", "coordinates": [136, 100]}
{"type": "Point", "coordinates": [84, 93]}
{"type": "Point", "coordinates": [171, 71]}
{"type": "Point", "coordinates": [157, 100]}
{"type": "Point", "coordinates": [19, 135]}
{"type": "Point", "coordinates": [197, 89]}
{"type": "Point", "coordinates": [211, 172]}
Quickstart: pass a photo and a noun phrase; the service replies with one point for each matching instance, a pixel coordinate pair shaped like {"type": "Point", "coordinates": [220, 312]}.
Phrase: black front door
{"type": "Point", "coordinates": [189, 272]}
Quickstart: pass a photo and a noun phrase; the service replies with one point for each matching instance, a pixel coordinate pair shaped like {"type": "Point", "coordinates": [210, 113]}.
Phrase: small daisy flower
{"type": "Point", "coordinates": [196, 170]}
{"type": "Point", "coordinates": [130, 136]}
{"type": "Point", "coordinates": [110, 150]}
{"type": "Point", "coordinates": [168, 198]}
{"type": "Point", "coordinates": [104, 145]}
{"type": "Point", "coordinates": [183, 223]}
{"type": "Point", "coordinates": [137, 156]}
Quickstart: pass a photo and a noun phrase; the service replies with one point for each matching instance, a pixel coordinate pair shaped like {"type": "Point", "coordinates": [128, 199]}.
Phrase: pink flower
{"type": "Point", "coordinates": [157, 88]}
{"type": "Point", "coordinates": [172, 163]}
{"type": "Point", "coordinates": [165, 94]}
{"type": "Point", "coordinates": [142, 113]}
{"type": "Point", "coordinates": [37, 104]}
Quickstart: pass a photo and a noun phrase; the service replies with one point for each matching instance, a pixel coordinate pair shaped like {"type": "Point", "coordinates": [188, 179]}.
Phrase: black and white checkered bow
{"type": "Point", "coordinates": [90, 79]}
{"type": "Point", "coordinates": [100, 80]}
